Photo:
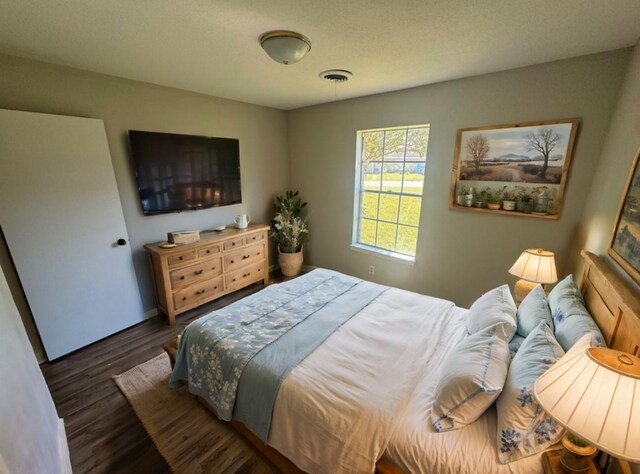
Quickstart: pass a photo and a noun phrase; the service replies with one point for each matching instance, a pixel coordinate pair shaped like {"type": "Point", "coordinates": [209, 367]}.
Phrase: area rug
{"type": "Point", "coordinates": [189, 438]}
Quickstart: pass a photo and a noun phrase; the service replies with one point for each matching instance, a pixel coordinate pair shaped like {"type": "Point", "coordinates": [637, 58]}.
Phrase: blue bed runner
{"type": "Point", "coordinates": [237, 357]}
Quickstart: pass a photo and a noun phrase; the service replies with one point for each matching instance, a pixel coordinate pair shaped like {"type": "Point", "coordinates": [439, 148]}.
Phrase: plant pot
{"type": "Point", "coordinates": [509, 205]}
{"type": "Point", "coordinates": [520, 206]}
{"type": "Point", "coordinates": [478, 204]}
{"type": "Point", "coordinates": [493, 206]}
{"type": "Point", "coordinates": [576, 459]}
{"type": "Point", "coordinates": [290, 263]}
{"type": "Point", "coordinates": [460, 199]}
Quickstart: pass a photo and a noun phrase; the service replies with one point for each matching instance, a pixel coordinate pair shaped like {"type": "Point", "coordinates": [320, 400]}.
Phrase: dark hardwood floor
{"type": "Point", "coordinates": [104, 433]}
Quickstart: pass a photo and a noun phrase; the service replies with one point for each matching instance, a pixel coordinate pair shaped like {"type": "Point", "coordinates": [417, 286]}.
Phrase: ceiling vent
{"type": "Point", "coordinates": [336, 75]}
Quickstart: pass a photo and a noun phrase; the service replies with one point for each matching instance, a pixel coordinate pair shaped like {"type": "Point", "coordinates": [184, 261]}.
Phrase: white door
{"type": "Point", "coordinates": [61, 216]}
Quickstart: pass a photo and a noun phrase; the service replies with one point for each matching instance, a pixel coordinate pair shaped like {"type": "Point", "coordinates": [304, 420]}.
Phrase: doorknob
{"type": "Point", "coordinates": [121, 242]}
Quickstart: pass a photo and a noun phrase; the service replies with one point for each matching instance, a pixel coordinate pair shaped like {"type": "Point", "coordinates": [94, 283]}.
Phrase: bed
{"type": "Point", "coordinates": [399, 340]}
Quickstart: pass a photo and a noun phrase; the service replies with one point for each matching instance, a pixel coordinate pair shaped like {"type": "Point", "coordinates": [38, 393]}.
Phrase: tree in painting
{"type": "Point", "coordinates": [543, 140]}
{"type": "Point", "coordinates": [627, 239]}
{"type": "Point", "coordinates": [477, 150]}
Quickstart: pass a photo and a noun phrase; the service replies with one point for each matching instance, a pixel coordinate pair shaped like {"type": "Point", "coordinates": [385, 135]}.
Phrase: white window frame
{"type": "Point", "coordinates": [358, 246]}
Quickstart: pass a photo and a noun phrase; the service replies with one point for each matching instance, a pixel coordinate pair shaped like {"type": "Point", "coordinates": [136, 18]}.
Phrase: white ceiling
{"type": "Point", "coordinates": [211, 46]}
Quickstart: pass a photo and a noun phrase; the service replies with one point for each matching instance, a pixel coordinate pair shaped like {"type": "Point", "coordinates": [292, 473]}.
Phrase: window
{"type": "Point", "coordinates": [390, 167]}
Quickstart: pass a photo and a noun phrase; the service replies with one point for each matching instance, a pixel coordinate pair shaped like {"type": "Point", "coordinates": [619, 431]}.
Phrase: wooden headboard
{"type": "Point", "coordinates": [613, 303]}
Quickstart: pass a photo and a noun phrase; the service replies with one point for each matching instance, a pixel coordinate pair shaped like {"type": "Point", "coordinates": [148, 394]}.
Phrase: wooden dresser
{"type": "Point", "coordinates": [189, 275]}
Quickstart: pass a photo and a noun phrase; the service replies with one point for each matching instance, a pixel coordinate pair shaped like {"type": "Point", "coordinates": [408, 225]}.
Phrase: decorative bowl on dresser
{"type": "Point", "coordinates": [189, 275]}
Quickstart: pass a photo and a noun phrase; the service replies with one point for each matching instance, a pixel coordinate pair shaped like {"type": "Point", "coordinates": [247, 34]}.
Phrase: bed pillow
{"type": "Point", "coordinates": [473, 374]}
{"type": "Point", "coordinates": [495, 306]}
{"type": "Point", "coordinates": [514, 344]}
{"type": "Point", "coordinates": [533, 310]}
{"type": "Point", "coordinates": [571, 319]}
{"type": "Point", "coordinates": [524, 428]}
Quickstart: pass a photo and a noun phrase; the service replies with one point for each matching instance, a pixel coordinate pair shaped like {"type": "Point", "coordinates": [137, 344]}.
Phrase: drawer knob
{"type": "Point", "coordinates": [180, 257]}
{"type": "Point", "coordinates": [233, 244]}
{"type": "Point", "coordinates": [208, 251]}
{"type": "Point", "coordinates": [121, 242]}
{"type": "Point", "coordinates": [234, 279]}
{"type": "Point", "coordinates": [199, 292]}
{"type": "Point", "coordinates": [182, 277]}
{"type": "Point", "coordinates": [184, 298]}
{"type": "Point", "coordinates": [215, 287]}
{"type": "Point", "coordinates": [231, 261]}
{"type": "Point", "coordinates": [246, 257]}
{"type": "Point", "coordinates": [213, 268]}
{"type": "Point", "coordinates": [199, 272]}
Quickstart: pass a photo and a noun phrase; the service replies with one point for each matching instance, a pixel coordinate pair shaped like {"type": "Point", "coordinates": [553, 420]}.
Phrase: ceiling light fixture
{"type": "Point", "coordinates": [336, 75]}
{"type": "Point", "coordinates": [285, 47]}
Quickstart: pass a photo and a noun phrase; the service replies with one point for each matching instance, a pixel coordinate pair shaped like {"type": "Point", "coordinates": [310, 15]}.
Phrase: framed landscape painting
{"type": "Point", "coordinates": [516, 169]}
{"type": "Point", "coordinates": [625, 242]}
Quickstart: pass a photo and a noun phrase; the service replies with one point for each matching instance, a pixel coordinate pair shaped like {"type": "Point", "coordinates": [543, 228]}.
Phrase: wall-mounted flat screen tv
{"type": "Point", "coordinates": [184, 172]}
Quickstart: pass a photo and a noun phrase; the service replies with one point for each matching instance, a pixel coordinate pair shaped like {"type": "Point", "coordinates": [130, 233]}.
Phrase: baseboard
{"type": "Point", "coordinates": [65, 460]}
{"type": "Point", "coordinates": [152, 313]}
{"type": "Point", "coordinates": [305, 268]}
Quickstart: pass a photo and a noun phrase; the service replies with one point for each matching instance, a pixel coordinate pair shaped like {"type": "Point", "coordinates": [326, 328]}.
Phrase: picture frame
{"type": "Point", "coordinates": [624, 246]}
{"type": "Point", "coordinates": [516, 169]}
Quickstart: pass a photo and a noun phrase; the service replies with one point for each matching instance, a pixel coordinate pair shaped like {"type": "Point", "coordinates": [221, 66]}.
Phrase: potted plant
{"type": "Point", "coordinates": [481, 198]}
{"type": "Point", "coordinates": [493, 200]}
{"type": "Point", "coordinates": [290, 231]}
{"type": "Point", "coordinates": [522, 197]}
{"type": "Point", "coordinates": [460, 197]}
{"type": "Point", "coordinates": [577, 455]}
{"type": "Point", "coordinates": [508, 201]}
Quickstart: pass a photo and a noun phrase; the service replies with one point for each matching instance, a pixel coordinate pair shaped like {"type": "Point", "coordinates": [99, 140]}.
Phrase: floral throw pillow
{"type": "Point", "coordinates": [523, 427]}
{"type": "Point", "coordinates": [571, 319]}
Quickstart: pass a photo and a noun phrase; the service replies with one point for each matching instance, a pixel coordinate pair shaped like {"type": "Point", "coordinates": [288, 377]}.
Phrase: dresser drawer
{"type": "Point", "coordinates": [244, 276]}
{"type": "Point", "coordinates": [233, 244]}
{"type": "Point", "coordinates": [178, 258]}
{"type": "Point", "coordinates": [248, 255]}
{"type": "Point", "coordinates": [197, 292]}
{"type": "Point", "coordinates": [253, 238]}
{"type": "Point", "coordinates": [208, 251]}
{"type": "Point", "coordinates": [198, 271]}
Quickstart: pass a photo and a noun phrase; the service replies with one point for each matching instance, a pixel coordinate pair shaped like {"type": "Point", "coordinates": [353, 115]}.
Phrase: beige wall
{"type": "Point", "coordinates": [123, 105]}
{"type": "Point", "coordinates": [620, 147]}
{"type": "Point", "coordinates": [460, 254]}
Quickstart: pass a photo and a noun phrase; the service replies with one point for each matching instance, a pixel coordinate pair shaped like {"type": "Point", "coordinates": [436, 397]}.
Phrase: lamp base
{"type": "Point", "coordinates": [522, 289]}
{"type": "Point", "coordinates": [576, 459]}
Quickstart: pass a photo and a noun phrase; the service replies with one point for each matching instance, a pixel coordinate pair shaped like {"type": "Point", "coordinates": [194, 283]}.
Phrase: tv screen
{"type": "Point", "coordinates": [184, 172]}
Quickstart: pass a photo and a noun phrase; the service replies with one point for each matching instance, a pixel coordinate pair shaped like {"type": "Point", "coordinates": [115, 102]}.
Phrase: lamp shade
{"type": "Point", "coordinates": [536, 265]}
{"type": "Point", "coordinates": [595, 393]}
{"type": "Point", "coordinates": [286, 47]}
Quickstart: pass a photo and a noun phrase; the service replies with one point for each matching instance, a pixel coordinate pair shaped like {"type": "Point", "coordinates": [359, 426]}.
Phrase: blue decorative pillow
{"type": "Point", "coordinates": [473, 374]}
{"type": "Point", "coordinates": [515, 344]}
{"type": "Point", "coordinates": [495, 306]}
{"type": "Point", "coordinates": [571, 319]}
{"type": "Point", "coordinates": [523, 427]}
{"type": "Point", "coordinates": [533, 310]}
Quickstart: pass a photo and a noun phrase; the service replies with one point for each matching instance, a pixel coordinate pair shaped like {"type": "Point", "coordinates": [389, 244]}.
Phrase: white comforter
{"type": "Point", "coordinates": [337, 410]}
{"type": "Point", "coordinates": [369, 388]}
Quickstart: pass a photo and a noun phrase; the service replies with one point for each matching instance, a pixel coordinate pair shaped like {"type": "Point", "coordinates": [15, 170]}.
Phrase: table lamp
{"type": "Point", "coordinates": [532, 267]}
{"type": "Point", "coordinates": [595, 394]}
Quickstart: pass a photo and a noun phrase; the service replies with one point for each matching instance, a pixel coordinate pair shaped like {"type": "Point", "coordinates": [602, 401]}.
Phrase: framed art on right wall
{"type": "Point", "coordinates": [625, 241]}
